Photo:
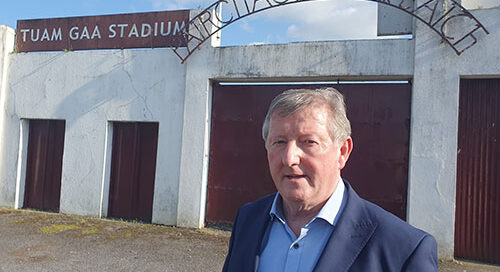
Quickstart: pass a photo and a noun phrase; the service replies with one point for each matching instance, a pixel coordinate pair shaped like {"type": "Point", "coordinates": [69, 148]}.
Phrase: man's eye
{"type": "Point", "coordinates": [310, 142]}
{"type": "Point", "coordinates": [279, 142]}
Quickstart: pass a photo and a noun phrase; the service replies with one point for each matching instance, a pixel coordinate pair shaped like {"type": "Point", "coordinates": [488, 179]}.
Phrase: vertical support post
{"type": "Point", "coordinates": [7, 147]}
{"type": "Point", "coordinates": [21, 163]}
{"type": "Point", "coordinates": [103, 209]}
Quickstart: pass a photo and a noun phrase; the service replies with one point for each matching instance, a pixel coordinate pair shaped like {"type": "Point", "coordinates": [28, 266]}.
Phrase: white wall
{"type": "Point", "coordinates": [480, 4]}
{"type": "Point", "coordinates": [7, 179]}
{"type": "Point", "coordinates": [88, 89]}
{"type": "Point", "coordinates": [434, 124]}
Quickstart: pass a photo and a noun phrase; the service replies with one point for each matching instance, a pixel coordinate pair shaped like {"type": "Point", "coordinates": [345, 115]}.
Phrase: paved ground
{"type": "Point", "coordinates": [37, 241]}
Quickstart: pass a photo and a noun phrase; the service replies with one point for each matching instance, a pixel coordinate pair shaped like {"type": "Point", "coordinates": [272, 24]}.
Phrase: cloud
{"type": "Point", "coordinates": [325, 20]}
{"type": "Point", "coordinates": [180, 4]}
{"type": "Point", "coordinates": [314, 20]}
{"type": "Point", "coordinates": [246, 26]}
{"type": "Point", "coordinates": [310, 20]}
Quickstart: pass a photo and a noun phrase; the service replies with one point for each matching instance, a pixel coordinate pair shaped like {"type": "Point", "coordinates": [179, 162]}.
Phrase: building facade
{"type": "Point", "coordinates": [98, 95]}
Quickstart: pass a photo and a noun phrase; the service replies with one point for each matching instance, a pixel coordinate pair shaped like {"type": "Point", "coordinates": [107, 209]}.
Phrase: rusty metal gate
{"type": "Point", "coordinates": [133, 167]}
{"type": "Point", "coordinates": [377, 168]}
{"type": "Point", "coordinates": [44, 165]}
{"type": "Point", "coordinates": [477, 217]}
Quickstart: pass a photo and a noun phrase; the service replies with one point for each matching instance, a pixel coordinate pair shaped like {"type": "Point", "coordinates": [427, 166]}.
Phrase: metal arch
{"type": "Point", "coordinates": [440, 24]}
{"type": "Point", "coordinates": [436, 14]}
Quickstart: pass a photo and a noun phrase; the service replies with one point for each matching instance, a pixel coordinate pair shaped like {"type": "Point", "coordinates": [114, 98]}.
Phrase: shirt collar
{"type": "Point", "coordinates": [275, 212]}
{"type": "Point", "coordinates": [329, 212]}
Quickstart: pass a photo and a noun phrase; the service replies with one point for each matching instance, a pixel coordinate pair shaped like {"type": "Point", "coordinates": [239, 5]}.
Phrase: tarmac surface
{"type": "Point", "coordinates": [39, 241]}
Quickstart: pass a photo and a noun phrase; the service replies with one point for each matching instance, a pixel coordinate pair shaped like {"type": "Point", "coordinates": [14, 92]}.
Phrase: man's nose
{"type": "Point", "coordinates": [292, 154]}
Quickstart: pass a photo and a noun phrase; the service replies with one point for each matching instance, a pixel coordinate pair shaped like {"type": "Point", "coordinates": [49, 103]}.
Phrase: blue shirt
{"type": "Point", "coordinates": [283, 251]}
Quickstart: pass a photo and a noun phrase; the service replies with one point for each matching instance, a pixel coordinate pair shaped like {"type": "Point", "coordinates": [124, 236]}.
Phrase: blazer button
{"type": "Point", "coordinates": [296, 245]}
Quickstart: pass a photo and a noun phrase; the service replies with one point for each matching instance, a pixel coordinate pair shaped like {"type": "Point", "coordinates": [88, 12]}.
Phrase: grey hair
{"type": "Point", "coordinates": [294, 100]}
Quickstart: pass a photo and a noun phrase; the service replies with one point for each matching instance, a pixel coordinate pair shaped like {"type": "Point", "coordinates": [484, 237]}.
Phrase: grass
{"type": "Point", "coordinates": [77, 226]}
{"type": "Point", "coordinates": [51, 229]}
{"type": "Point", "coordinates": [89, 231]}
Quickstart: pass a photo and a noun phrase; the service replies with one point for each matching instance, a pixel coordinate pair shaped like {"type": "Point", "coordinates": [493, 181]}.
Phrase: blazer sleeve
{"type": "Point", "coordinates": [225, 268]}
{"type": "Point", "coordinates": [424, 257]}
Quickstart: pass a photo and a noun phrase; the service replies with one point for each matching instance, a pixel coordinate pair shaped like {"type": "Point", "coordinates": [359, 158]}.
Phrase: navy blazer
{"type": "Point", "coordinates": [366, 238]}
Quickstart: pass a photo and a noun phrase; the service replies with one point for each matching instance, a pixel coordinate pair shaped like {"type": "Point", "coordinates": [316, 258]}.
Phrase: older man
{"type": "Point", "coordinates": [316, 222]}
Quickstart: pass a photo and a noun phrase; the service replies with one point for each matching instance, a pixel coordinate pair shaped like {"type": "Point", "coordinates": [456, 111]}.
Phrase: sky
{"type": "Point", "coordinates": [310, 21]}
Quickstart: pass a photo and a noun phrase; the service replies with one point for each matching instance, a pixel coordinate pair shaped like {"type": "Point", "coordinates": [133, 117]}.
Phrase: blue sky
{"type": "Point", "coordinates": [314, 20]}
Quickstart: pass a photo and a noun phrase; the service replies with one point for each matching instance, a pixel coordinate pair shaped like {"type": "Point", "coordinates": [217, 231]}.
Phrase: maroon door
{"type": "Point", "coordinates": [133, 166]}
{"type": "Point", "coordinates": [477, 217]}
{"type": "Point", "coordinates": [44, 165]}
{"type": "Point", "coordinates": [238, 171]}
{"type": "Point", "coordinates": [377, 169]}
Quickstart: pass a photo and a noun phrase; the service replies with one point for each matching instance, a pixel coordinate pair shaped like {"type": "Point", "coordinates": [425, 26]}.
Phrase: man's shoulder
{"type": "Point", "coordinates": [388, 222]}
{"type": "Point", "coordinates": [388, 230]}
{"type": "Point", "coordinates": [261, 205]}
{"type": "Point", "coordinates": [391, 230]}
{"type": "Point", "coordinates": [393, 244]}
{"type": "Point", "coordinates": [385, 222]}
{"type": "Point", "coordinates": [252, 216]}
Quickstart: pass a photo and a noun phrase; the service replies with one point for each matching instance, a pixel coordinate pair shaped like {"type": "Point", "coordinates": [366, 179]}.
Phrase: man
{"type": "Point", "coordinates": [316, 222]}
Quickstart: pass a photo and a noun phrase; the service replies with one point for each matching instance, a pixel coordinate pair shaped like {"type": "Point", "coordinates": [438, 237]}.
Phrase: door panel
{"type": "Point", "coordinates": [44, 164]}
{"type": "Point", "coordinates": [377, 168]}
{"type": "Point", "coordinates": [477, 217]}
{"type": "Point", "coordinates": [133, 167]}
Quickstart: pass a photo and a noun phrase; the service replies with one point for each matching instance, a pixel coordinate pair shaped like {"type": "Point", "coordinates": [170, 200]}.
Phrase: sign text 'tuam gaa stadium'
{"type": "Point", "coordinates": [135, 30]}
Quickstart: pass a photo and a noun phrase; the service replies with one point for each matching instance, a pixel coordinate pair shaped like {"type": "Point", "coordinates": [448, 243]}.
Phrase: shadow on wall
{"type": "Point", "coordinates": [114, 92]}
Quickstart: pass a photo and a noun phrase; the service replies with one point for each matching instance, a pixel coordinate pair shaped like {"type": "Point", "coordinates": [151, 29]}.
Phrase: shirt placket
{"type": "Point", "coordinates": [295, 252]}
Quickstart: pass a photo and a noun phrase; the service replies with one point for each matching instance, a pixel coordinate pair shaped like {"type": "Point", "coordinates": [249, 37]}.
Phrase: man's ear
{"type": "Point", "coordinates": [345, 150]}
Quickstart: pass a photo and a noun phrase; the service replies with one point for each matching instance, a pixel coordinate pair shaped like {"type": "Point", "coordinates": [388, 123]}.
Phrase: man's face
{"type": "Point", "coordinates": [304, 161]}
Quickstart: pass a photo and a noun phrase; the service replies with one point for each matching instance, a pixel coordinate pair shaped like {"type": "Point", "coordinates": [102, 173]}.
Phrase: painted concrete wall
{"type": "Point", "coordinates": [7, 180]}
{"type": "Point", "coordinates": [392, 21]}
{"type": "Point", "coordinates": [88, 89]}
{"type": "Point", "coordinates": [480, 4]}
{"type": "Point", "coordinates": [434, 124]}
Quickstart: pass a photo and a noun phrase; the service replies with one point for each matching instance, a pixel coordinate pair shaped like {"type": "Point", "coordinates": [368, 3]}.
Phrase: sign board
{"type": "Point", "coordinates": [135, 30]}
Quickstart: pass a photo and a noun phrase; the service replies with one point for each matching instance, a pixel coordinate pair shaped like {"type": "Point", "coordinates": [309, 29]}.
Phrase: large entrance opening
{"type": "Point", "coordinates": [377, 169]}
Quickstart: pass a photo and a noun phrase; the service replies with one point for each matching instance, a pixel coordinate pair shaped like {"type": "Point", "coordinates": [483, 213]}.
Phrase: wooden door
{"type": "Point", "coordinates": [44, 164]}
{"type": "Point", "coordinates": [133, 168]}
{"type": "Point", "coordinates": [477, 216]}
{"type": "Point", "coordinates": [377, 168]}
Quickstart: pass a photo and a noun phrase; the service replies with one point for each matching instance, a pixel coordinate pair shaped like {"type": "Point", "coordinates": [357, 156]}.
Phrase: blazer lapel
{"type": "Point", "coordinates": [253, 237]}
{"type": "Point", "coordinates": [352, 232]}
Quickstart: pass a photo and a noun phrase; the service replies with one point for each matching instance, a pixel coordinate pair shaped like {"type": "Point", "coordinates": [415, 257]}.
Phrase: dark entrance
{"type": "Point", "coordinates": [377, 169]}
{"type": "Point", "coordinates": [477, 217]}
{"type": "Point", "coordinates": [133, 167]}
{"type": "Point", "coordinates": [44, 165]}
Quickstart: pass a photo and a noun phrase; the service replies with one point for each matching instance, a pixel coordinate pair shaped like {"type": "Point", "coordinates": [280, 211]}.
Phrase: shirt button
{"type": "Point", "coordinates": [295, 246]}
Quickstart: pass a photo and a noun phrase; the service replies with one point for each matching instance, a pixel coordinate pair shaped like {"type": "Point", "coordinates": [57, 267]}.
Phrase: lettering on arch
{"type": "Point", "coordinates": [439, 15]}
